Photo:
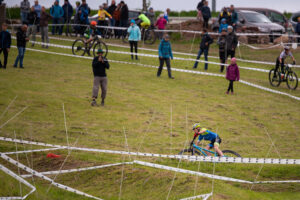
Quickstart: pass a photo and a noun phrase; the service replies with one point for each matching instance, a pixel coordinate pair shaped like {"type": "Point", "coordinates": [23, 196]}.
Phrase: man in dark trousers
{"type": "Point", "coordinates": [21, 44]}
{"type": "Point", "coordinates": [124, 17]}
{"type": "Point", "coordinates": [100, 64]}
{"type": "Point", "coordinates": [232, 43]}
{"type": "Point", "coordinates": [5, 42]}
{"type": "Point", "coordinates": [206, 14]}
{"type": "Point", "coordinates": [68, 13]}
{"type": "Point", "coordinates": [204, 47]}
{"type": "Point", "coordinates": [165, 53]}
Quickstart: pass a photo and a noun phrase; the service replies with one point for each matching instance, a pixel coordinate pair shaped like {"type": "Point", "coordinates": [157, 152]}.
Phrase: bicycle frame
{"type": "Point", "coordinates": [204, 151]}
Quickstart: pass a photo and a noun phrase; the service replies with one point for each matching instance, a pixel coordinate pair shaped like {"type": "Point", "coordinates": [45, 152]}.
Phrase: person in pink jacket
{"type": "Point", "coordinates": [161, 25]}
{"type": "Point", "coordinates": [232, 74]}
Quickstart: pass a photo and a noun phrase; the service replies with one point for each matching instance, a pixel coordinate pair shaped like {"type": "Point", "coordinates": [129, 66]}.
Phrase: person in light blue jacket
{"type": "Point", "coordinates": [133, 38]}
{"type": "Point", "coordinates": [57, 13]}
{"type": "Point", "coordinates": [165, 53]}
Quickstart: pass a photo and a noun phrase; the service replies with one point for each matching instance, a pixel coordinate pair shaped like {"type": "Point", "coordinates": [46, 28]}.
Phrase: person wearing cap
{"type": "Point", "coordinates": [232, 74]}
{"type": "Point", "coordinates": [57, 13]}
{"type": "Point", "coordinates": [161, 25]}
{"type": "Point", "coordinates": [165, 53]}
{"type": "Point", "coordinates": [134, 36]}
{"type": "Point", "coordinates": [100, 64]}
{"type": "Point", "coordinates": [223, 25]}
{"type": "Point", "coordinates": [204, 48]}
{"type": "Point", "coordinates": [232, 42]}
{"type": "Point", "coordinates": [222, 42]}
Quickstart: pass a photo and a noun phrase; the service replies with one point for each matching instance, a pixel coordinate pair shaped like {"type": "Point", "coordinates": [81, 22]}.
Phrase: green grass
{"type": "Point", "coordinates": [141, 104]}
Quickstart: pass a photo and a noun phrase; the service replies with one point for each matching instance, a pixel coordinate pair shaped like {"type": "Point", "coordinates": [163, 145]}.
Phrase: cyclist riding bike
{"type": "Point", "coordinates": [280, 59]}
{"type": "Point", "coordinates": [91, 31]}
{"type": "Point", "coordinates": [205, 134]}
{"type": "Point", "coordinates": [143, 21]}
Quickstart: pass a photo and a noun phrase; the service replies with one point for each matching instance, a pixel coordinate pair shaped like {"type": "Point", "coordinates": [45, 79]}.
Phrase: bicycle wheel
{"type": "Point", "coordinates": [79, 47]}
{"type": "Point", "coordinates": [150, 36]}
{"type": "Point", "coordinates": [100, 45]}
{"type": "Point", "coordinates": [292, 80]}
{"type": "Point", "coordinates": [125, 39]}
{"type": "Point", "coordinates": [274, 79]}
{"type": "Point", "coordinates": [229, 153]}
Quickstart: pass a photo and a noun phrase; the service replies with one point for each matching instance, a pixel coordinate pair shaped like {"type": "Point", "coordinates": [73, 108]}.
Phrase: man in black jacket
{"type": "Point", "coordinates": [100, 64]}
{"type": "Point", "coordinates": [124, 16]}
{"type": "Point", "coordinates": [5, 42]}
{"type": "Point", "coordinates": [111, 9]}
{"type": "Point", "coordinates": [204, 47]}
{"type": "Point", "coordinates": [206, 14]}
{"type": "Point", "coordinates": [21, 44]}
{"type": "Point", "coordinates": [232, 43]}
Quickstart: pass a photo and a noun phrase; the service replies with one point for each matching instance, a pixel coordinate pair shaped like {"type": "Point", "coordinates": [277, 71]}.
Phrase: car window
{"type": "Point", "coordinates": [256, 17]}
{"type": "Point", "coordinates": [276, 17]}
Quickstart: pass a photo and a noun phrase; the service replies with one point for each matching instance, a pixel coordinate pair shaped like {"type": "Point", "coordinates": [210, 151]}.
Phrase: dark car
{"type": "Point", "coordinates": [273, 15]}
{"type": "Point", "coordinates": [294, 19]}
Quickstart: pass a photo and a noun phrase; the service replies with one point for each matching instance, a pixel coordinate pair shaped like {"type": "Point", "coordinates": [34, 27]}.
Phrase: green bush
{"type": "Point", "coordinates": [13, 13]}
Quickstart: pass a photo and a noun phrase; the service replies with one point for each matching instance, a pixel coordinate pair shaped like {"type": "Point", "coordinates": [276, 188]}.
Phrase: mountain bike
{"type": "Point", "coordinates": [80, 47]}
{"type": "Point", "coordinates": [148, 35]}
{"type": "Point", "coordinates": [196, 150]}
{"type": "Point", "coordinates": [288, 76]}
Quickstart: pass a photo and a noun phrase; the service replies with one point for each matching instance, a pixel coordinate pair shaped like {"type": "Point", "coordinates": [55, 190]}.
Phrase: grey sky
{"type": "Point", "coordinates": [280, 5]}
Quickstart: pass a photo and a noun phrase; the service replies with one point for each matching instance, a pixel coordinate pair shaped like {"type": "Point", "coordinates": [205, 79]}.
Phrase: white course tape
{"type": "Point", "coordinates": [31, 151]}
{"type": "Point", "coordinates": [35, 173]}
{"type": "Point", "coordinates": [202, 196]}
{"type": "Point", "coordinates": [12, 174]}
{"type": "Point", "coordinates": [174, 69]}
{"type": "Point", "coordinates": [78, 170]}
{"type": "Point", "coordinates": [187, 157]}
{"type": "Point", "coordinates": [190, 172]}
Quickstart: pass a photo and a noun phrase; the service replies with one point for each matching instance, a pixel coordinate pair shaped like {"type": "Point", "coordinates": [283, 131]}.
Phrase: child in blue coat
{"type": "Point", "coordinates": [133, 38]}
{"type": "Point", "coordinates": [165, 53]}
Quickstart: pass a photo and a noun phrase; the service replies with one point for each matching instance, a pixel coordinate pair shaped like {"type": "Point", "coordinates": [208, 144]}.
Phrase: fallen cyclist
{"type": "Point", "coordinates": [205, 134]}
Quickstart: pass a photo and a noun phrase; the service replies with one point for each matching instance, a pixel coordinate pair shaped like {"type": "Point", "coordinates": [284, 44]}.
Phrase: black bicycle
{"type": "Point", "coordinates": [80, 47]}
{"type": "Point", "coordinates": [148, 36]}
{"type": "Point", "coordinates": [288, 76]}
{"type": "Point", "coordinates": [196, 150]}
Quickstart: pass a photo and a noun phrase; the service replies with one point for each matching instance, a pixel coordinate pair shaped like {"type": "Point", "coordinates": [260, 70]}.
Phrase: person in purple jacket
{"type": "Point", "coordinates": [232, 74]}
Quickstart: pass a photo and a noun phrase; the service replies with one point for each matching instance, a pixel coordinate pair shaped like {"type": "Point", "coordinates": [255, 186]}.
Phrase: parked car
{"type": "Point", "coordinates": [252, 19]}
{"type": "Point", "coordinates": [294, 19]}
{"type": "Point", "coordinates": [275, 16]}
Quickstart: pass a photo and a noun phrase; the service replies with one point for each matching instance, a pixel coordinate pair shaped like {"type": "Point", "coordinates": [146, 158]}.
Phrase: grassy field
{"type": "Point", "coordinates": [156, 114]}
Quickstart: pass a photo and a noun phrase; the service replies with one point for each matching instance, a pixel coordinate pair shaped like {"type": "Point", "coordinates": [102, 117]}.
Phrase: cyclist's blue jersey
{"type": "Point", "coordinates": [207, 135]}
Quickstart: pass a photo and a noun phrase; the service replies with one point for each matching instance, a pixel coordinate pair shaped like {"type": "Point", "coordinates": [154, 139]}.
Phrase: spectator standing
{"type": "Point", "coordinates": [38, 10]}
{"type": "Point", "coordinates": [116, 16]}
{"type": "Point", "coordinates": [232, 42]}
{"type": "Point", "coordinates": [151, 16]}
{"type": "Point", "coordinates": [166, 14]}
{"type": "Point", "coordinates": [165, 53]}
{"type": "Point", "coordinates": [57, 13]}
{"type": "Point", "coordinates": [232, 74]}
{"type": "Point", "coordinates": [45, 18]}
{"type": "Point", "coordinates": [223, 25]}
{"type": "Point", "coordinates": [100, 64]}
{"type": "Point", "coordinates": [199, 8]}
{"type": "Point", "coordinates": [161, 25]}
{"type": "Point", "coordinates": [25, 9]}
{"type": "Point", "coordinates": [224, 14]}
{"type": "Point", "coordinates": [234, 17]}
{"type": "Point", "coordinates": [298, 29]}
{"type": "Point", "coordinates": [84, 12]}
{"type": "Point", "coordinates": [111, 9]}
{"type": "Point", "coordinates": [77, 18]}
{"type": "Point", "coordinates": [68, 13]}
{"type": "Point", "coordinates": [222, 42]}
{"type": "Point", "coordinates": [124, 17]}
{"type": "Point", "coordinates": [102, 18]}
{"type": "Point", "coordinates": [5, 42]}
{"type": "Point", "coordinates": [204, 48]}
{"type": "Point", "coordinates": [206, 14]}
{"type": "Point", "coordinates": [134, 36]}
{"type": "Point", "coordinates": [21, 44]}
{"type": "Point", "coordinates": [32, 25]}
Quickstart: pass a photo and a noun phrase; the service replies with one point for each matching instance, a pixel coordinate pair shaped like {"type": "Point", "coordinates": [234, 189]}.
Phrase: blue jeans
{"type": "Point", "coordinates": [24, 17]}
{"type": "Point", "coordinates": [205, 51]}
{"type": "Point", "coordinates": [58, 29]}
{"type": "Point", "coordinates": [20, 56]}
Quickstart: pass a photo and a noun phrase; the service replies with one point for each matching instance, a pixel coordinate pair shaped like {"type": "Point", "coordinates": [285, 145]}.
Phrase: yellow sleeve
{"type": "Point", "coordinates": [107, 13]}
{"type": "Point", "coordinates": [99, 15]}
